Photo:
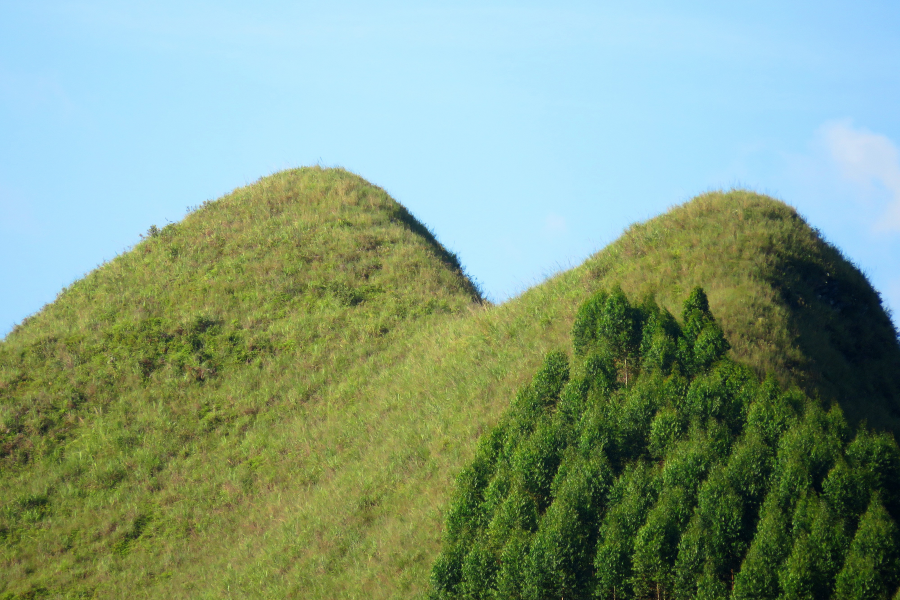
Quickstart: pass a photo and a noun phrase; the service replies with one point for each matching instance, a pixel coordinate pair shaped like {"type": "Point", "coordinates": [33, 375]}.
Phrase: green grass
{"type": "Point", "coordinates": [273, 396]}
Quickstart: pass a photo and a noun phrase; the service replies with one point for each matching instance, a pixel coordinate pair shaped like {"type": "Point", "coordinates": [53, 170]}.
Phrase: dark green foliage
{"type": "Point", "coordinates": [820, 544]}
{"type": "Point", "coordinates": [877, 461]}
{"type": "Point", "coordinates": [446, 573]}
{"type": "Point", "coordinates": [513, 559]}
{"type": "Point", "coordinates": [749, 467]}
{"type": "Point", "coordinates": [659, 345]}
{"type": "Point", "coordinates": [758, 576]}
{"type": "Point", "coordinates": [666, 428]}
{"type": "Point", "coordinates": [655, 466]}
{"type": "Point", "coordinates": [561, 557]}
{"type": "Point", "coordinates": [703, 341]}
{"type": "Point", "coordinates": [536, 460]}
{"type": "Point", "coordinates": [584, 331]}
{"type": "Point", "coordinates": [479, 569]}
{"type": "Point", "coordinates": [633, 494]}
{"type": "Point", "coordinates": [656, 542]}
{"type": "Point", "coordinates": [872, 567]}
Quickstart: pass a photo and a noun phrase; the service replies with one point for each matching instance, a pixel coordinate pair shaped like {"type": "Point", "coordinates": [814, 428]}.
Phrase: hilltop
{"type": "Point", "coordinates": [274, 395]}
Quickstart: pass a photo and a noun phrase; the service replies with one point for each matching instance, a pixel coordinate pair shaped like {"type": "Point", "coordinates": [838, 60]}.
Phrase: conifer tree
{"type": "Point", "coordinates": [871, 569]}
{"type": "Point", "coordinates": [653, 465]}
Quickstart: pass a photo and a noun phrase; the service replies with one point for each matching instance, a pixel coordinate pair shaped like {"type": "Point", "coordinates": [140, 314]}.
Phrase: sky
{"type": "Point", "coordinates": [526, 135]}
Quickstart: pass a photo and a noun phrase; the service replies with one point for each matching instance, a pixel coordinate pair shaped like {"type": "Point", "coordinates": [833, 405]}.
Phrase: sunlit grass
{"type": "Point", "coordinates": [273, 396]}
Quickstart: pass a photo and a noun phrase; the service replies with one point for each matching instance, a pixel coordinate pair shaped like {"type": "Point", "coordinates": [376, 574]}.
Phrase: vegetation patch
{"type": "Point", "coordinates": [654, 466]}
{"type": "Point", "coordinates": [274, 396]}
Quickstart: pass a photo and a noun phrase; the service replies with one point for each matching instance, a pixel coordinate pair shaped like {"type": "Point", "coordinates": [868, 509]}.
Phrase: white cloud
{"type": "Point", "coordinates": [870, 160]}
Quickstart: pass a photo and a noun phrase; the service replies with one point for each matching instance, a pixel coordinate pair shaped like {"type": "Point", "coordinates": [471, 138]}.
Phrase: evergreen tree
{"type": "Point", "coordinates": [479, 568]}
{"type": "Point", "coordinates": [659, 339]}
{"type": "Point", "coordinates": [667, 427]}
{"type": "Point", "coordinates": [536, 461]}
{"type": "Point", "coordinates": [631, 497]}
{"type": "Point", "coordinates": [758, 576]}
{"type": "Point", "coordinates": [817, 552]}
{"type": "Point", "coordinates": [721, 511]}
{"type": "Point", "coordinates": [871, 569]}
{"type": "Point", "coordinates": [656, 543]}
{"type": "Point", "coordinates": [513, 558]}
{"type": "Point", "coordinates": [846, 491]}
{"type": "Point", "coordinates": [771, 413]}
{"type": "Point", "coordinates": [876, 459]}
{"type": "Point", "coordinates": [748, 470]}
{"type": "Point", "coordinates": [654, 465]}
{"type": "Point", "coordinates": [584, 331]}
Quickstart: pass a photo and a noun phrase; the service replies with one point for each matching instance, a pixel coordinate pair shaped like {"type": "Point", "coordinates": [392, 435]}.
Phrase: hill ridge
{"type": "Point", "coordinates": [310, 425]}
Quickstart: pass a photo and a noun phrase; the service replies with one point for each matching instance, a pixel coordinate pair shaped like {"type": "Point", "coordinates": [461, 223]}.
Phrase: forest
{"type": "Point", "coordinates": [651, 465]}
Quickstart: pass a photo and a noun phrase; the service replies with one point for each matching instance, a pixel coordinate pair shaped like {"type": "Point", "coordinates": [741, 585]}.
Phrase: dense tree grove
{"type": "Point", "coordinates": [653, 466]}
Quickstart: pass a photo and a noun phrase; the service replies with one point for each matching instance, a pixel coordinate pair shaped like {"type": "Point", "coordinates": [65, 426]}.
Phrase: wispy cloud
{"type": "Point", "coordinates": [869, 160]}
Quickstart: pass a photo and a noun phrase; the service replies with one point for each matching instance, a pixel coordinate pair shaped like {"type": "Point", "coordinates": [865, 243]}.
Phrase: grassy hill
{"type": "Point", "coordinates": [273, 396]}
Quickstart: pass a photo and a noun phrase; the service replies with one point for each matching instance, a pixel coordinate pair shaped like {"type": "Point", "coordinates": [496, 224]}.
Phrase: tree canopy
{"type": "Point", "coordinates": [652, 465]}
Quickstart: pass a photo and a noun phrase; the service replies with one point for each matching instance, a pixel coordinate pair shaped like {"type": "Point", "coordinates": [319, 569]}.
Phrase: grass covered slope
{"type": "Point", "coordinates": [310, 448]}
{"type": "Point", "coordinates": [140, 410]}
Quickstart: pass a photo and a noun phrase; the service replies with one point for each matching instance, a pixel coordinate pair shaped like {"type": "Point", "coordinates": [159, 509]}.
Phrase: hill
{"type": "Point", "coordinates": [273, 396]}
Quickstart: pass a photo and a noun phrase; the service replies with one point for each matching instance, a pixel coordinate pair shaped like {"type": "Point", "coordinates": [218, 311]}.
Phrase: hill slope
{"type": "Point", "coordinates": [145, 403]}
{"type": "Point", "coordinates": [274, 396]}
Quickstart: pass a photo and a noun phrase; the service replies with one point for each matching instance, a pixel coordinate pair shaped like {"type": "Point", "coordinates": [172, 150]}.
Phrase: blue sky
{"type": "Point", "coordinates": [527, 135]}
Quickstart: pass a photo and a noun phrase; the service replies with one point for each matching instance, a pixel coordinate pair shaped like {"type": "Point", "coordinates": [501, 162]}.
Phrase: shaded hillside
{"type": "Point", "coordinates": [284, 413]}
{"type": "Point", "coordinates": [789, 302]}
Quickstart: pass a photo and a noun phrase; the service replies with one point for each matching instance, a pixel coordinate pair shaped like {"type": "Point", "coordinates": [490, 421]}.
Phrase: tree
{"type": "Point", "coordinates": [871, 569]}
{"type": "Point", "coordinates": [748, 470]}
{"type": "Point", "coordinates": [876, 459]}
{"type": "Point", "coordinates": [479, 568]}
{"type": "Point", "coordinates": [656, 542]}
{"type": "Point", "coordinates": [513, 558]}
{"type": "Point", "coordinates": [846, 490]}
{"type": "Point", "coordinates": [667, 427]}
{"type": "Point", "coordinates": [659, 340]}
{"type": "Point", "coordinates": [446, 574]}
{"type": "Point", "coordinates": [584, 331]}
{"type": "Point", "coordinates": [758, 576]}
{"type": "Point", "coordinates": [619, 326]}
{"type": "Point", "coordinates": [632, 495]}
{"type": "Point", "coordinates": [721, 511]}
{"type": "Point", "coordinates": [817, 552]}
{"type": "Point", "coordinates": [536, 461]}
